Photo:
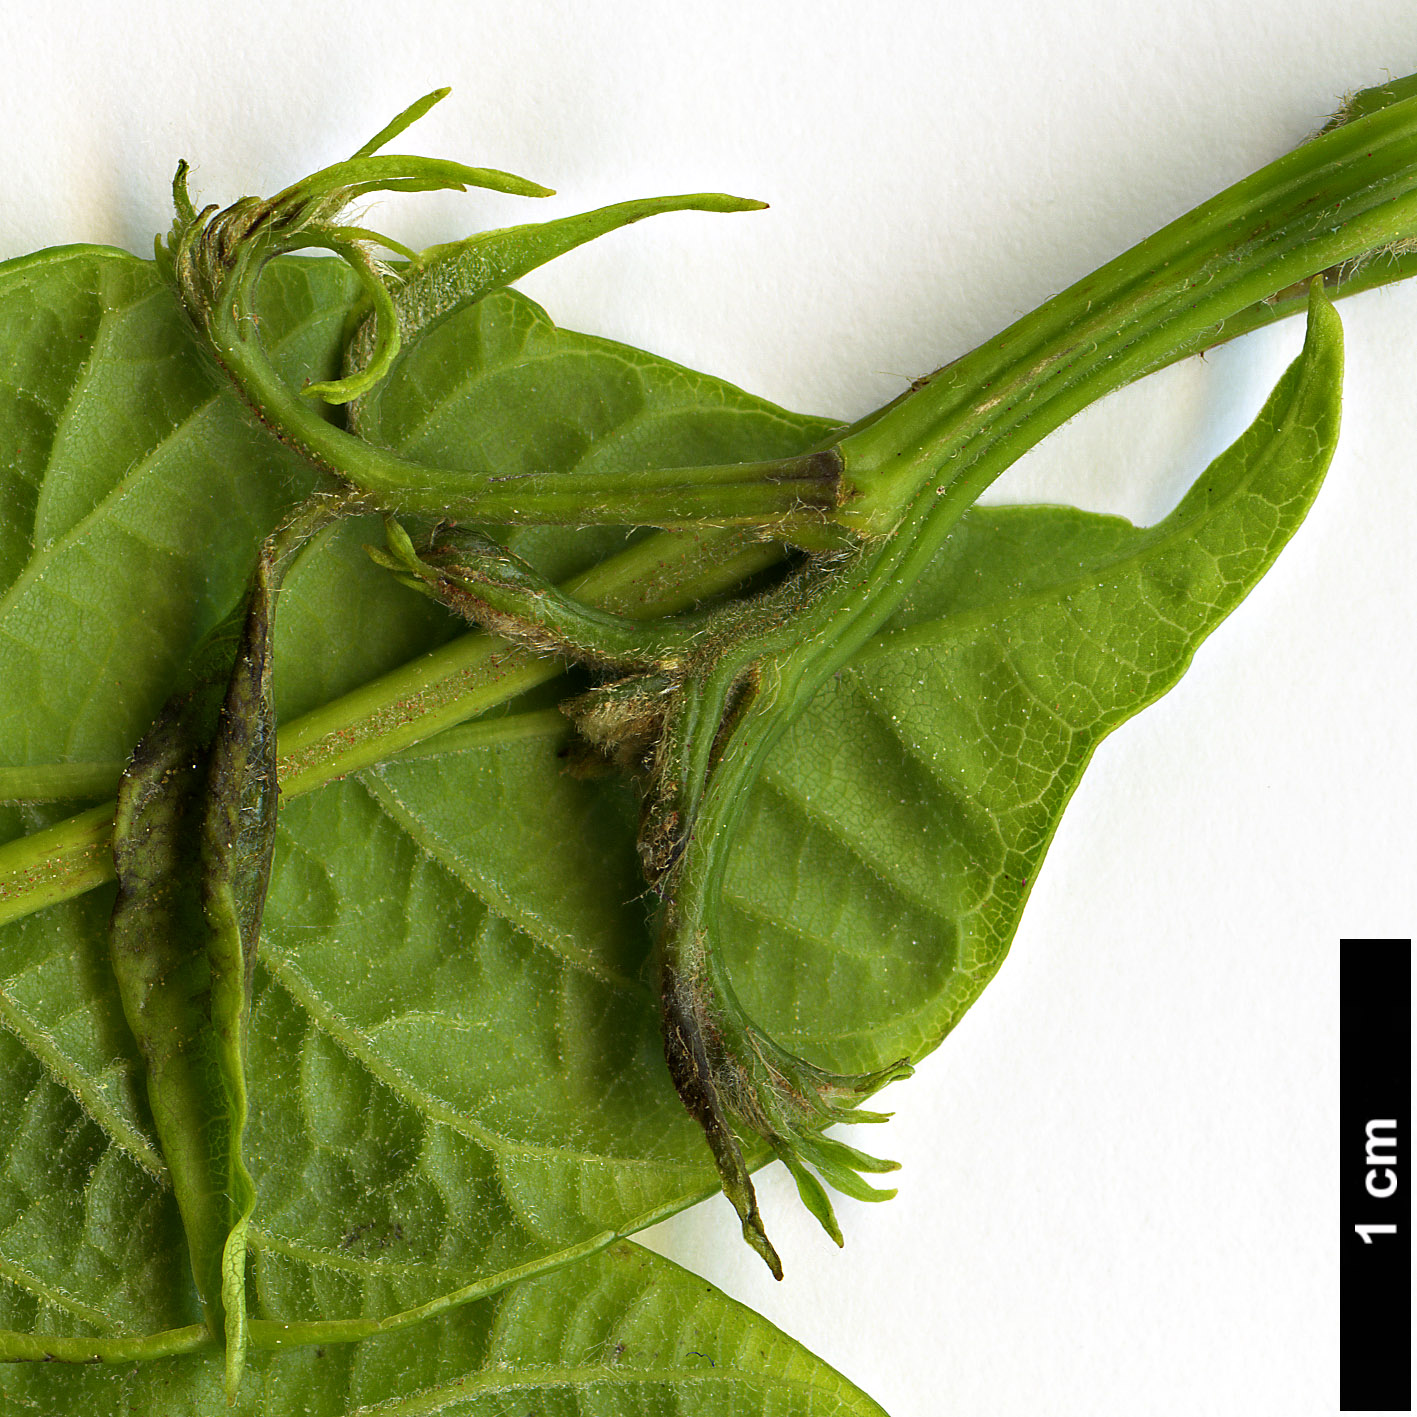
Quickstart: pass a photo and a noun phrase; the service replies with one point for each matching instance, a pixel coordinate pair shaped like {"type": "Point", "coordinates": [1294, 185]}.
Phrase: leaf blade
{"type": "Point", "coordinates": [623, 1326]}
{"type": "Point", "coordinates": [634, 1159]}
{"type": "Point", "coordinates": [1037, 632]}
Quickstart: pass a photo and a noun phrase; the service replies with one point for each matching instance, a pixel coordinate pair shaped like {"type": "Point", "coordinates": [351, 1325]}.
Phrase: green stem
{"type": "Point", "coordinates": [779, 494]}
{"type": "Point", "coordinates": [661, 575]}
{"type": "Point", "coordinates": [1195, 281]}
{"type": "Point", "coordinates": [56, 864]}
{"type": "Point", "coordinates": [922, 464]}
{"type": "Point", "coordinates": [1345, 197]}
{"type": "Point", "coordinates": [495, 589]}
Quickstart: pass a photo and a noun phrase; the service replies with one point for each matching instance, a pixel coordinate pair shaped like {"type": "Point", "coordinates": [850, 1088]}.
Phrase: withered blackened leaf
{"type": "Point", "coordinates": [193, 838]}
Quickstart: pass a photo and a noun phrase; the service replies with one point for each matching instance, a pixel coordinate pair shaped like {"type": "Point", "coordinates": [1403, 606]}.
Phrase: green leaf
{"type": "Point", "coordinates": [624, 1331]}
{"type": "Point", "coordinates": [133, 491]}
{"type": "Point", "coordinates": [904, 818]}
{"type": "Point", "coordinates": [402, 121]}
{"type": "Point", "coordinates": [453, 1045]}
{"type": "Point", "coordinates": [912, 906]}
{"type": "Point", "coordinates": [384, 1178]}
{"type": "Point", "coordinates": [92, 1241]}
{"type": "Point", "coordinates": [134, 496]}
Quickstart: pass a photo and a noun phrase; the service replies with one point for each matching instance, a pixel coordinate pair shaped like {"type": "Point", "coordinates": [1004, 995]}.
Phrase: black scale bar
{"type": "Point", "coordinates": [1375, 1195]}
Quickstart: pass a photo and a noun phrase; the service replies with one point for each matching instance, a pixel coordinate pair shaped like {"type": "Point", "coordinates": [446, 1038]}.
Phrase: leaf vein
{"type": "Point", "coordinates": [80, 1086]}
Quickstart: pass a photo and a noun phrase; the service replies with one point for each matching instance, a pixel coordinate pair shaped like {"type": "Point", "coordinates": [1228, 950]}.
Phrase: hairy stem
{"type": "Point", "coordinates": [1346, 197]}
{"type": "Point", "coordinates": [660, 576]}
{"type": "Point", "coordinates": [216, 264]}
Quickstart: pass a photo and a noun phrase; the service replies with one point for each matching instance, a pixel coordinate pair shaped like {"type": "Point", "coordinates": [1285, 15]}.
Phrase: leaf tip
{"type": "Point", "coordinates": [723, 202]}
{"type": "Point", "coordinates": [757, 1237]}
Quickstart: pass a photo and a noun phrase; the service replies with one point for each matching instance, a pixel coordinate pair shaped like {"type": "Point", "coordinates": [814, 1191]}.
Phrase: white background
{"type": "Point", "coordinates": [1120, 1174]}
